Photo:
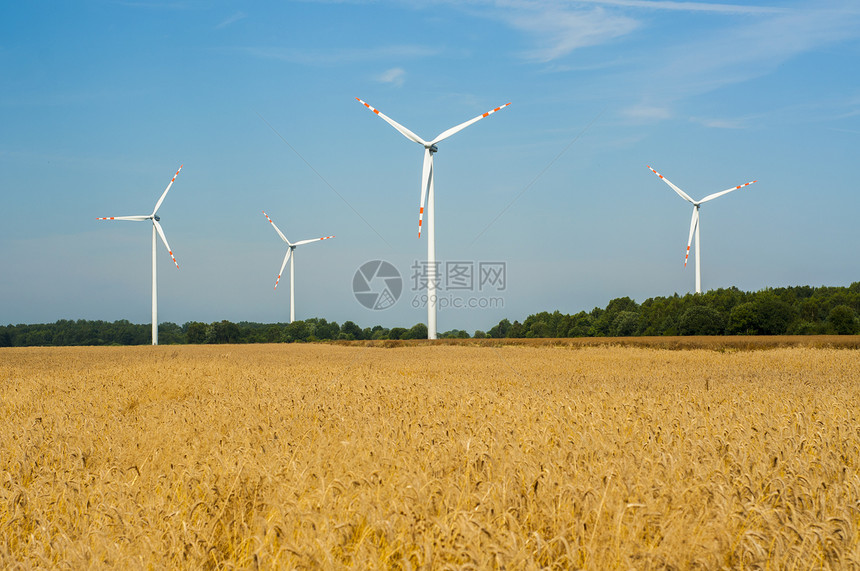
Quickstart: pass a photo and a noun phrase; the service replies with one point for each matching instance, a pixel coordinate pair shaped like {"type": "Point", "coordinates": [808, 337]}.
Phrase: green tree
{"type": "Point", "coordinates": [225, 332]}
{"type": "Point", "coordinates": [624, 324]}
{"type": "Point", "coordinates": [418, 331]}
{"type": "Point", "coordinates": [397, 333]}
{"type": "Point", "coordinates": [297, 331]}
{"type": "Point", "coordinates": [350, 330]}
{"type": "Point", "coordinates": [501, 330]}
{"type": "Point", "coordinates": [701, 320]}
{"type": "Point", "coordinates": [744, 319]}
{"type": "Point", "coordinates": [195, 332]}
{"type": "Point", "coordinates": [168, 334]}
{"type": "Point", "coordinates": [774, 314]}
{"type": "Point", "coordinates": [380, 332]}
{"type": "Point", "coordinates": [454, 334]}
{"type": "Point", "coordinates": [766, 314]}
{"type": "Point", "coordinates": [578, 325]}
{"type": "Point", "coordinates": [842, 320]}
{"type": "Point", "coordinates": [271, 334]}
{"type": "Point", "coordinates": [515, 331]}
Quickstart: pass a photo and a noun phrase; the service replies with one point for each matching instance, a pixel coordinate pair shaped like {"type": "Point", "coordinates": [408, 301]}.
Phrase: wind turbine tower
{"type": "Point", "coordinates": [694, 222]}
{"type": "Point", "coordinates": [428, 197]}
{"type": "Point", "coordinates": [291, 257]}
{"type": "Point", "coordinates": [156, 229]}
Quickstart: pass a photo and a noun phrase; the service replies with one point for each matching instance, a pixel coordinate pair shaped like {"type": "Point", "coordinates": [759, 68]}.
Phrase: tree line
{"type": "Point", "coordinates": [800, 310]}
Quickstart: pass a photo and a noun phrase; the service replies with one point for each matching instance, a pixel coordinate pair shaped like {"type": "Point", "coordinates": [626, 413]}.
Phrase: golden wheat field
{"type": "Point", "coordinates": [429, 457]}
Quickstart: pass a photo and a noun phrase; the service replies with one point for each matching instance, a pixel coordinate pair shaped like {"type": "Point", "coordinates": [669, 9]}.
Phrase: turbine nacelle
{"type": "Point", "coordinates": [432, 148]}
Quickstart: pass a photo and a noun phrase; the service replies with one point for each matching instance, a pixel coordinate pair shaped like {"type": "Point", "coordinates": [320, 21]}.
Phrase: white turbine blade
{"type": "Point", "coordinates": [312, 240]}
{"type": "Point", "coordinates": [160, 200]}
{"type": "Point", "coordinates": [135, 218]}
{"type": "Point", "coordinates": [426, 173]}
{"type": "Point", "coordinates": [278, 230]}
{"type": "Point", "coordinates": [680, 192]}
{"type": "Point", "coordinates": [164, 239]}
{"type": "Point", "coordinates": [403, 130]}
{"type": "Point", "coordinates": [284, 265]}
{"type": "Point", "coordinates": [445, 134]}
{"type": "Point", "coordinates": [693, 223]}
{"type": "Point", "coordinates": [716, 194]}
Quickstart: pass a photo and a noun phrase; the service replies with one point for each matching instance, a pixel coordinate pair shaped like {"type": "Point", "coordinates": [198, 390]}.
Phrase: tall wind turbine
{"type": "Point", "coordinates": [428, 197]}
{"type": "Point", "coordinates": [156, 227]}
{"type": "Point", "coordinates": [694, 223]}
{"type": "Point", "coordinates": [291, 257]}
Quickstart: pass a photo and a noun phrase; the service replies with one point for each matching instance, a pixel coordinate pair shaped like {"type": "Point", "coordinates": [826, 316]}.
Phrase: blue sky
{"type": "Point", "coordinates": [103, 100]}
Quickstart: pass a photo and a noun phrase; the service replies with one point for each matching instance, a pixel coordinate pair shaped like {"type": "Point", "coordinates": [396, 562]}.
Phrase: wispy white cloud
{"type": "Point", "coordinates": [687, 6]}
{"type": "Point", "coordinates": [559, 27]}
{"type": "Point", "coordinates": [231, 20]}
{"type": "Point", "coordinates": [714, 123]}
{"type": "Point", "coordinates": [559, 31]}
{"type": "Point", "coordinates": [750, 50]}
{"type": "Point", "coordinates": [647, 113]}
{"type": "Point", "coordinates": [340, 56]}
{"type": "Point", "coordinates": [395, 76]}
{"type": "Point", "coordinates": [178, 5]}
{"type": "Point", "coordinates": [734, 54]}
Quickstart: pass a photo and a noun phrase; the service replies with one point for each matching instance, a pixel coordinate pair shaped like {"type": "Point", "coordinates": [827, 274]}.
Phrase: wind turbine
{"type": "Point", "coordinates": [694, 222]}
{"type": "Point", "coordinates": [156, 227]}
{"type": "Point", "coordinates": [428, 198]}
{"type": "Point", "coordinates": [291, 258]}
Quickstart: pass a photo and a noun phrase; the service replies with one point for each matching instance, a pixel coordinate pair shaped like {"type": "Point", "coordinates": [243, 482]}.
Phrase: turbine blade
{"type": "Point", "coordinates": [160, 200]}
{"type": "Point", "coordinates": [313, 240]}
{"type": "Point", "coordinates": [680, 192]}
{"type": "Point", "coordinates": [164, 239]}
{"type": "Point", "coordinates": [693, 223]}
{"type": "Point", "coordinates": [426, 173]}
{"type": "Point", "coordinates": [284, 265]}
{"type": "Point", "coordinates": [135, 218]}
{"type": "Point", "coordinates": [278, 230]}
{"type": "Point", "coordinates": [445, 134]}
{"type": "Point", "coordinates": [403, 130]}
{"type": "Point", "coordinates": [716, 194]}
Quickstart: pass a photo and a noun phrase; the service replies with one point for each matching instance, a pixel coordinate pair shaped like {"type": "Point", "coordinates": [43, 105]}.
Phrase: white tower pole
{"type": "Point", "coordinates": [698, 256]}
{"type": "Point", "coordinates": [431, 259]}
{"type": "Point", "coordinates": [154, 293]}
{"type": "Point", "coordinates": [293, 286]}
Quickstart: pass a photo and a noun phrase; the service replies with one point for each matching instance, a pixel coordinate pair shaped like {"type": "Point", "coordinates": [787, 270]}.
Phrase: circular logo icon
{"type": "Point", "coordinates": [377, 285]}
